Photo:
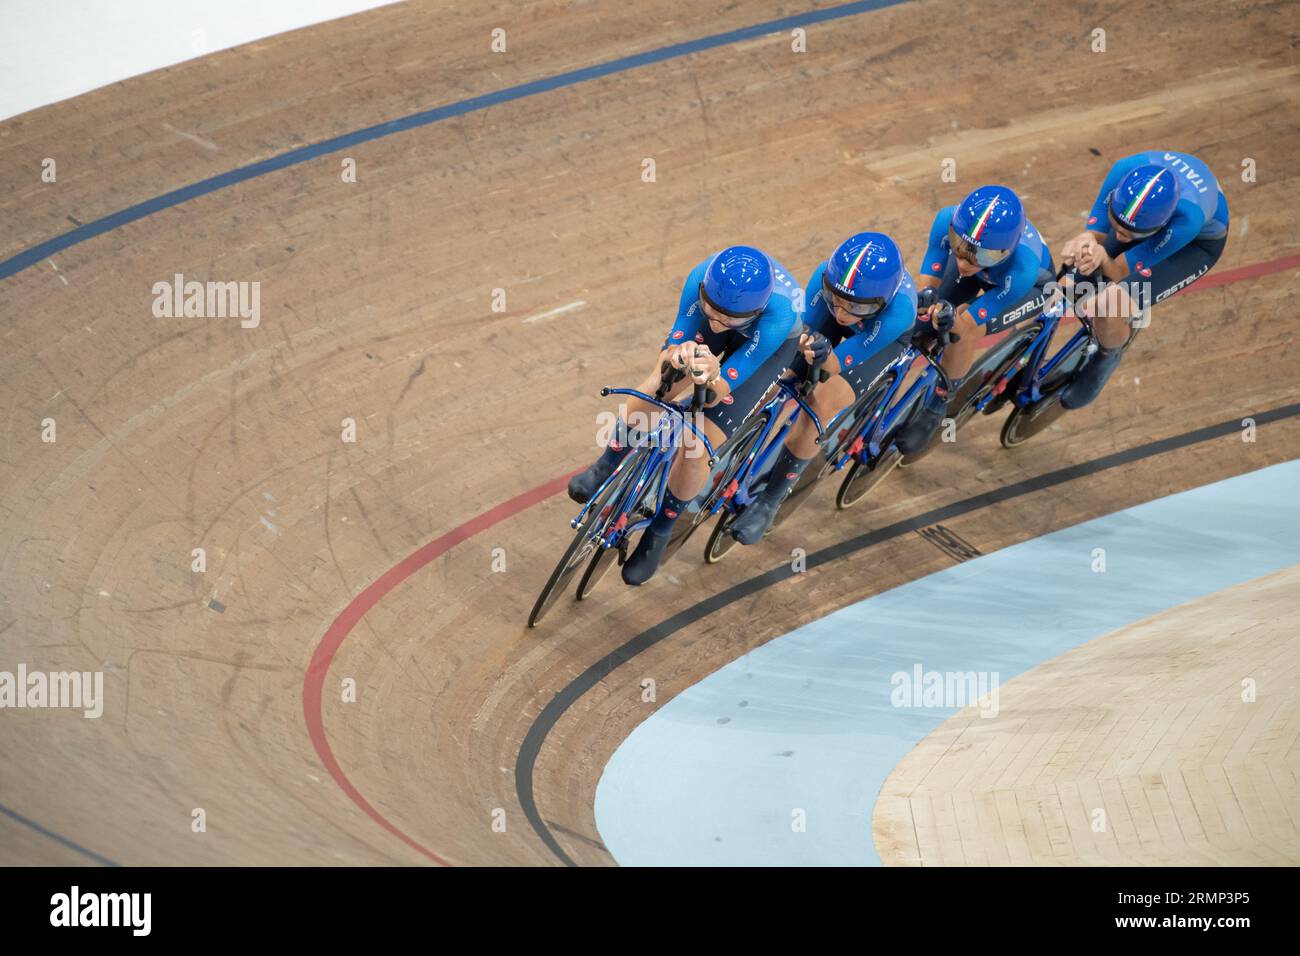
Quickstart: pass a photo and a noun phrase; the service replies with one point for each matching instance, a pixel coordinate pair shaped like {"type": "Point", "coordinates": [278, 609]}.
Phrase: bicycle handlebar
{"type": "Point", "coordinates": [938, 329]}
{"type": "Point", "coordinates": [701, 395]}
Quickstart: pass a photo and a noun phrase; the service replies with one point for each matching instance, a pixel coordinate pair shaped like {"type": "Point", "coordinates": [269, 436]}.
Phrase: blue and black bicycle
{"type": "Point", "coordinates": [745, 460]}
{"type": "Point", "coordinates": [624, 505]}
{"type": "Point", "coordinates": [1024, 371]}
{"type": "Point", "coordinates": [861, 437]}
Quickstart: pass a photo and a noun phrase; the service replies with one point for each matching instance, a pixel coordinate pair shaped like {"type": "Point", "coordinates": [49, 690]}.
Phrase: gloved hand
{"type": "Point", "coordinates": [943, 317]}
{"type": "Point", "coordinates": [816, 347]}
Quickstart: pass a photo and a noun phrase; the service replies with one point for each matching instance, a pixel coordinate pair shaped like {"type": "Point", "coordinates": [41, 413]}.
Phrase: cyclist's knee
{"type": "Point", "coordinates": [1113, 304]}
{"type": "Point", "coordinates": [831, 396]}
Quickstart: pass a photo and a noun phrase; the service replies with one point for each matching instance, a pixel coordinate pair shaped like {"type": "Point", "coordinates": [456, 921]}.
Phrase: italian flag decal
{"type": "Point", "coordinates": [984, 218]}
{"type": "Point", "coordinates": [1141, 197]}
{"type": "Point", "coordinates": [853, 268]}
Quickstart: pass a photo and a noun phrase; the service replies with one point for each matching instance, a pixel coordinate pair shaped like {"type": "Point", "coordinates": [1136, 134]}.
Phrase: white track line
{"type": "Point", "coordinates": [560, 311]}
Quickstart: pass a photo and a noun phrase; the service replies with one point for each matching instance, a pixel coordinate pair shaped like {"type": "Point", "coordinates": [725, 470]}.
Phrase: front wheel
{"type": "Point", "coordinates": [845, 431]}
{"type": "Point", "coordinates": [1026, 421]}
{"type": "Point", "coordinates": [731, 458]}
{"type": "Point", "coordinates": [984, 373]}
{"type": "Point", "coordinates": [597, 568]}
{"type": "Point", "coordinates": [595, 523]}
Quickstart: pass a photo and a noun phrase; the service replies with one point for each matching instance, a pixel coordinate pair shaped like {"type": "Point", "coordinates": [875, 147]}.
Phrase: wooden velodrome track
{"type": "Point", "coordinates": [223, 688]}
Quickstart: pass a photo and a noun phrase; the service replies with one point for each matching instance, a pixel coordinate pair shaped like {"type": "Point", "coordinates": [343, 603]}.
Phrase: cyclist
{"type": "Point", "coordinates": [986, 258]}
{"type": "Point", "coordinates": [862, 304]}
{"type": "Point", "coordinates": [737, 329]}
{"type": "Point", "coordinates": [1159, 223]}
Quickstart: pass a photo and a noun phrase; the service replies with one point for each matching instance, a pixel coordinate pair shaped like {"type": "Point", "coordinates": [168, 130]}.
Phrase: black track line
{"type": "Point", "coordinates": [550, 715]}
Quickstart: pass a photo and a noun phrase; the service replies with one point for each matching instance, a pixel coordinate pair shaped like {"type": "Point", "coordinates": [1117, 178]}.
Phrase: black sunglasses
{"type": "Point", "coordinates": [859, 308]}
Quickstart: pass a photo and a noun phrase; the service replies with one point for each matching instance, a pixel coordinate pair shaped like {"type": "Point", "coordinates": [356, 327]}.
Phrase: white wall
{"type": "Point", "coordinates": [51, 50]}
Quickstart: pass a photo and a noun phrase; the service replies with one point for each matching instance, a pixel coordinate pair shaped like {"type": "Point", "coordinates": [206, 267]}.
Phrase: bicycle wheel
{"type": "Point", "coordinates": [720, 540]}
{"type": "Point", "coordinates": [604, 558]}
{"type": "Point", "coordinates": [1026, 421]}
{"type": "Point", "coordinates": [597, 568]}
{"type": "Point", "coordinates": [989, 369]}
{"type": "Point", "coordinates": [842, 435]}
{"type": "Point", "coordinates": [862, 478]}
{"type": "Point", "coordinates": [586, 541]}
{"type": "Point", "coordinates": [986, 371]}
{"type": "Point", "coordinates": [864, 473]}
{"type": "Point", "coordinates": [731, 457]}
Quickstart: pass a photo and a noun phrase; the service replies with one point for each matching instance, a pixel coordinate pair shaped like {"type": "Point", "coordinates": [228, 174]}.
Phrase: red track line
{"type": "Point", "coordinates": [314, 682]}
{"type": "Point", "coordinates": [1254, 271]}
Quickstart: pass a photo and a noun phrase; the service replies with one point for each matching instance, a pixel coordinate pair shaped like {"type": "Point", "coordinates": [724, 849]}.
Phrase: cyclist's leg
{"type": "Point", "coordinates": [976, 329]}
{"type": "Point", "coordinates": [691, 467]}
{"type": "Point", "coordinates": [1117, 305]}
{"type": "Point", "coordinates": [957, 290]}
{"type": "Point", "coordinates": [960, 355]}
{"type": "Point", "coordinates": [859, 364]}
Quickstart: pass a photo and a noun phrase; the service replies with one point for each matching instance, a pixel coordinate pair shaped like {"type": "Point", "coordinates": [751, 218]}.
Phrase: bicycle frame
{"type": "Point", "coordinates": [670, 427]}
{"type": "Point", "coordinates": [888, 411]}
{"type": "Point", "coordinates": [762, 455]}
{"type": "Point", "coordinates": [1032, 359]}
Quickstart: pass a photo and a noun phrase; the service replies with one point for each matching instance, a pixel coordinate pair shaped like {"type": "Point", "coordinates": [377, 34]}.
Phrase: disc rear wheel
{"type": "Point", "coordinates": [721, 542]}
{"type": "Point", "coordinates": [1026, 421]}
{"type": "Point", "coordinates": [862, 478]}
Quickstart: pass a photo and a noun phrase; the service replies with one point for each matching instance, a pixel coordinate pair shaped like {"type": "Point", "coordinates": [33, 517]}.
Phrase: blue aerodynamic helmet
{"type": "Point", "coordinates": [987, 225]}
{"type": "Point", "coordinates": [1145, 199]}
{"type": "Point", "coordinates": [738, 282]}
{"type": "Point", "coordinates": [864, 273]}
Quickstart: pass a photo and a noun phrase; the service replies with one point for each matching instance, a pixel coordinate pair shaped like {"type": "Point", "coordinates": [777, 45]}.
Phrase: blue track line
{"type": "Point", "coordinates": [32, 824]}
{"type": "Point", "coordinates": [33, 255]}
{"type": "Point", "coordinates": [29, 257]}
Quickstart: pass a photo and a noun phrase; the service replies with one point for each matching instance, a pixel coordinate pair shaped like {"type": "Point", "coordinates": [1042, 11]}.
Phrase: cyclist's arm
{"type": "Point", "coordinates": [1183, 228]}
{"type": "Point", "coordinates": [1097, 229]}
{"type": "Point", "coordinates": [936, 250]}
{"type": "Point", "coordinates": [799, 364]}
{"type": "Point", "coordinates": [774, 327]}
{"type": "Point", "coordinates": [1024, 274]}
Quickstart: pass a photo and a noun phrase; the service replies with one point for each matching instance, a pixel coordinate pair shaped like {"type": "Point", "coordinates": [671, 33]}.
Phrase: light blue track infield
{"type": "Point", "coordinates": [806, 721]}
